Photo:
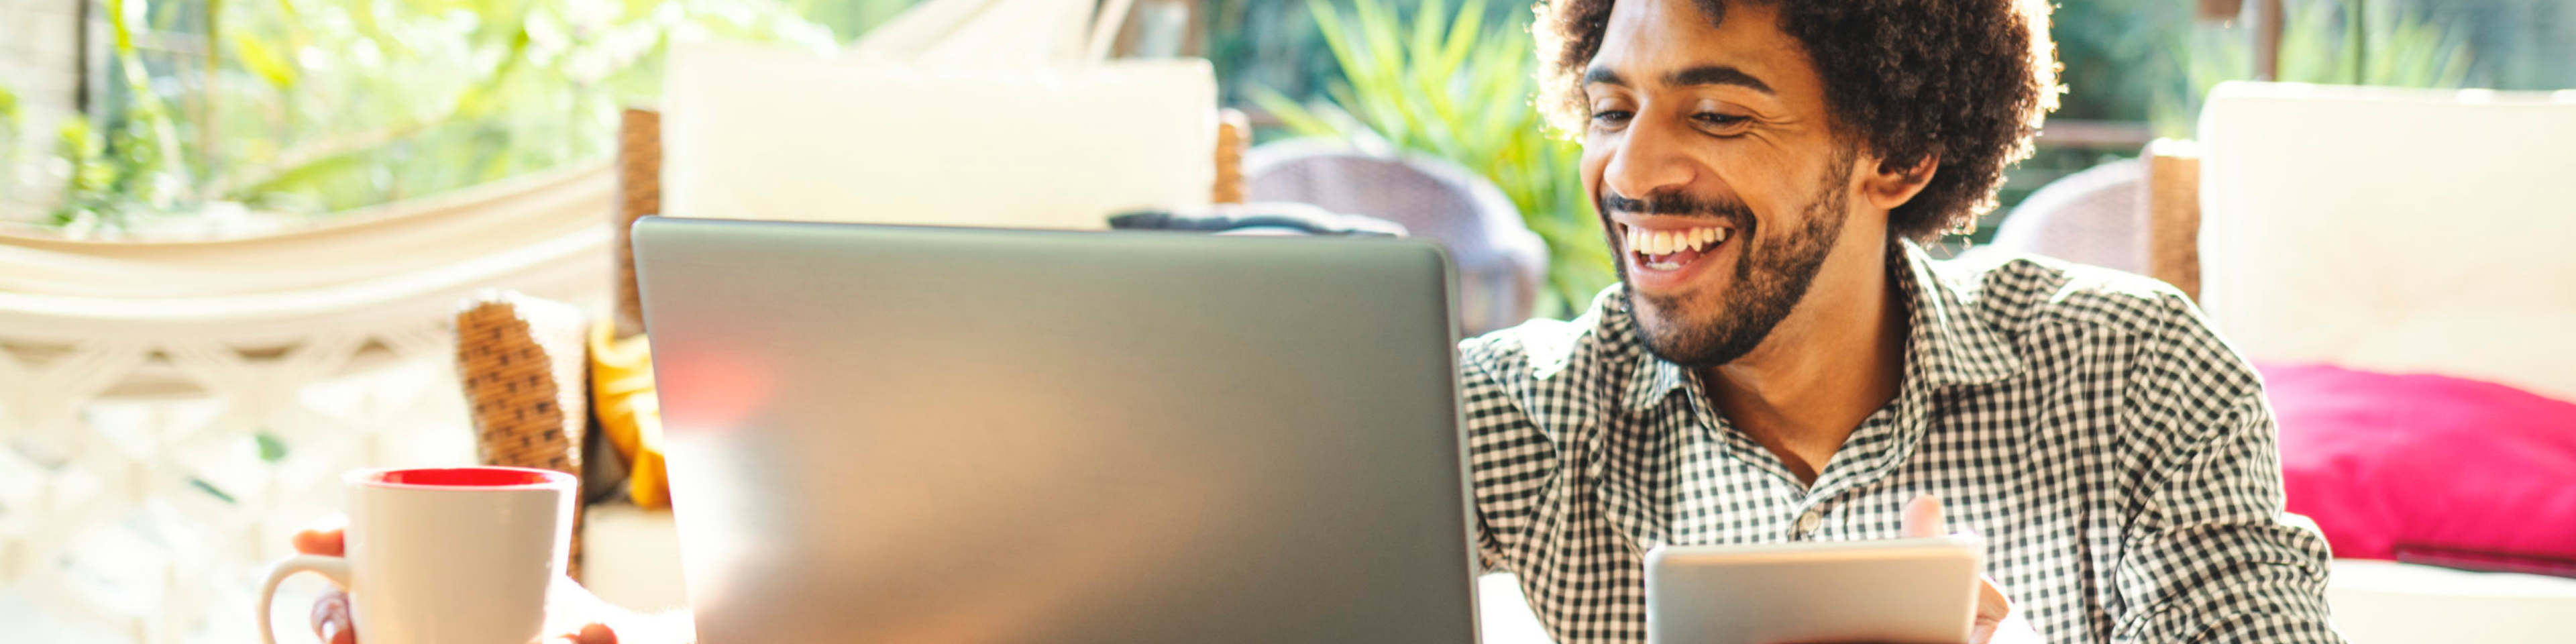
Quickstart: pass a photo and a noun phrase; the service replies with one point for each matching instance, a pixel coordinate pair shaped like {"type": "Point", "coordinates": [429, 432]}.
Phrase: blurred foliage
{"type": "Point", "coordinates": [2151, 60]}
{"type": "Point", "coordinates": [13, 164]}
{"type": "Point", "coordinates": [127, 166]}
{"type": "Point", "coordinates": [849, 18]}
{"type": "Point", "coordinates": [2115, 55]}
{"type": "Point", "coordinates": [2342, 42]}
{"type": "Point", "coordinates": [1450, 85]}
{"type": "Point", "coordinates": [1273, 45]}
{"type": "Point", "coordinates": [314, 106]}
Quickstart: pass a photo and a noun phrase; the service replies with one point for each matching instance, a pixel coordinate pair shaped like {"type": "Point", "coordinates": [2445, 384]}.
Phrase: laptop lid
{"type": "Point", "coordinates": [907, 434]}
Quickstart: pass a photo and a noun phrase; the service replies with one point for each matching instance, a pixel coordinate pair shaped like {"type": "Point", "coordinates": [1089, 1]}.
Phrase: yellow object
{"type": "Point", "coordinates": [621, 392]}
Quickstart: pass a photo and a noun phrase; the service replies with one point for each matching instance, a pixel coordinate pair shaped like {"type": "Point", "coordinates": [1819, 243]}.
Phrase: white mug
{"type": "Point", "coordinates": [445, 555]}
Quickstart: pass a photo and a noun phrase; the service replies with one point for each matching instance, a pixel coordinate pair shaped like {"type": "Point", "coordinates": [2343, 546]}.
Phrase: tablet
{"type": "Point", "coordinates": [1900, 591]}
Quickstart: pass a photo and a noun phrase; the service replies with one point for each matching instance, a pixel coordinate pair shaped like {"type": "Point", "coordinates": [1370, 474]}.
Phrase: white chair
{"type": "Point", "coordinates": [2395, 231]}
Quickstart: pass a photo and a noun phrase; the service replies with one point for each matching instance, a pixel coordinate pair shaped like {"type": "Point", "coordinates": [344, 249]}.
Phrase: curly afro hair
{"type": "Point", "coordinates": [1963, 81]}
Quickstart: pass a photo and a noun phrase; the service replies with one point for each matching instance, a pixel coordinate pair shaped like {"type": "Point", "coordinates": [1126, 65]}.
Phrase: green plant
{"type": "Point", "coordinates": [87, 201]}
{"type": "Point", "coordinates": [126, 166]}
{"type": "Point", "coordinates": [2345, 42]}
{"type": "Point", "coordinates": [1450, 86]}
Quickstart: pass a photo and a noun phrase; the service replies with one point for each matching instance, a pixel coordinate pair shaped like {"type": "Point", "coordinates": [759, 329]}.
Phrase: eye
{"type": "Point", "coordinates": [1718, 121]}
{"type": "Point", "coordinates": [1611, 118]}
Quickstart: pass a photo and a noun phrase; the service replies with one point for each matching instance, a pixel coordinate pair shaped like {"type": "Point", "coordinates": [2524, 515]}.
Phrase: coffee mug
{"type": "Point", "coordinates": [445, 556]}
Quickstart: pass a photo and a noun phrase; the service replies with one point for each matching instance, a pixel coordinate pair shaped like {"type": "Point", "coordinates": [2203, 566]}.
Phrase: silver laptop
{"type": "Point", "coordinates": [933, 435]}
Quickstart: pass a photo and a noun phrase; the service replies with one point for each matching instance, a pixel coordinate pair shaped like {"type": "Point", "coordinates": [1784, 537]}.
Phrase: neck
{"type": "Point", "coordinates": [1834, 361]}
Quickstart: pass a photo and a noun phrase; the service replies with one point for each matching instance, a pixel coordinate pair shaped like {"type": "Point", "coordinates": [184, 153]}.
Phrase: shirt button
{"type": "Point", "coordinates": [1807, 522]}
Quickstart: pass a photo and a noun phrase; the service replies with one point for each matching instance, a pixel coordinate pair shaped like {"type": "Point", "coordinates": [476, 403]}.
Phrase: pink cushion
{"type": "Point", "coordinates": [2430, 468]}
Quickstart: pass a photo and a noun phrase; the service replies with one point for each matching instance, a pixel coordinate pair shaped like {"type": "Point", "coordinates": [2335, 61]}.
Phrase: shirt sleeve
{"type": "Point", "coordinates": [1509, 459]}
{"type": "Point", "coordinates": [2212, 556]}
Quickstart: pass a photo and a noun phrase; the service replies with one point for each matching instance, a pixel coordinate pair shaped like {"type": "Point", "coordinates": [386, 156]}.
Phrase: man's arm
{"type": "Point", "coordinates": [2211, 558]}
{"type": "Point", "coordinates": [1510, 460]}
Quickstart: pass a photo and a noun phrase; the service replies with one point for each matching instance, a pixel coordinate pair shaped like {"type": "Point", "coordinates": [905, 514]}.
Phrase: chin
{"type": "Point", "coordinates": [1694, 331]}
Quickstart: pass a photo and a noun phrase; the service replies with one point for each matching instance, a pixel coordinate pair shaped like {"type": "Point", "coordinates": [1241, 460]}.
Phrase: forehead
{"type": "Point", "coordinates": [1645, 38]}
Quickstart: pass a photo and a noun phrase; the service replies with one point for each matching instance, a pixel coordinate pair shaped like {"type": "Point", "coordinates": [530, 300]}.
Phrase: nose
{"type": "Point", "coordinates": [1649, 160]}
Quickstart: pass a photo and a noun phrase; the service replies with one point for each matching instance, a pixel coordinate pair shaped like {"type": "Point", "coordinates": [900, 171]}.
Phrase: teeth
{"type": "Point", "coordinates": [1653, 243]}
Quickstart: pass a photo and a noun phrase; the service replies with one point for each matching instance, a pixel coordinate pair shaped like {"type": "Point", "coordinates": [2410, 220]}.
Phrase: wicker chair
{"type": "Point", "coordinates": [524, 361]}
{"type": "Point", "coordinates": [1501, 264]}
{"type": "Point", "coordinates": [2141, 216]}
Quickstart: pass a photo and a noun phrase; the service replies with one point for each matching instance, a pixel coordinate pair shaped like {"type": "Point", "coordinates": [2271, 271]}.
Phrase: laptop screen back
{"type": "Point", "coordinates": [894, 434]}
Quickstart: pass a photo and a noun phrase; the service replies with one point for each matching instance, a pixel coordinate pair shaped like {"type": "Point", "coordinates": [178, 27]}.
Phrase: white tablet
{"type": "Point", "coordinates": [1900, 591]}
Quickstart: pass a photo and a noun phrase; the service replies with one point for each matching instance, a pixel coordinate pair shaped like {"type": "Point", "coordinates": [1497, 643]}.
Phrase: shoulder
{"type": "Point", "coordinates": [2171, 361]}
{"type": "Point", "coordinates": [1559, 369]}
{"type": "Point", "coordinates": [2021, 293]}
{"type": "Point", "coordinates": [1537, 349]}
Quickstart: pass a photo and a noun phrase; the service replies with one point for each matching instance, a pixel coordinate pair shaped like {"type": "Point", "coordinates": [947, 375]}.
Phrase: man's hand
{"type": "Point", "coordinates": [573, 615]}
{"type": "Point", "coordinates": [1996, 621]}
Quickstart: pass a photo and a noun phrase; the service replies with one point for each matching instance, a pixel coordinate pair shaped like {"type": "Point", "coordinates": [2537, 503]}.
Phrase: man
{"type": "Point", "coordinates": [1783, 362]}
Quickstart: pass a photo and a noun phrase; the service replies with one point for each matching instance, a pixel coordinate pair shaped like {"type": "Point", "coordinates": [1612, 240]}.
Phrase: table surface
{"type": "Point", "coordinates": [632, 560]}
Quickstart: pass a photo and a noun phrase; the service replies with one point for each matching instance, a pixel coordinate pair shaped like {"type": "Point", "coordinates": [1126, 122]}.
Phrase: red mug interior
{"type": "Point", "coordinates": [466, 477]}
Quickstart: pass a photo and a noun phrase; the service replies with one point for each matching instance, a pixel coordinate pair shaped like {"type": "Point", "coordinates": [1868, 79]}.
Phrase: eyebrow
{"type": "Point", "coordinates": [1603, 76]}
{"type": "Point", "coordinates": [1717, 75]}
{"type": "Point", "coordinates": [1701, 75]}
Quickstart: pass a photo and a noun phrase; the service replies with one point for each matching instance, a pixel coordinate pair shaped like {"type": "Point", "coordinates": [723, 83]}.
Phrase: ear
{"type": "Point", "coordinates": [1888, 185]}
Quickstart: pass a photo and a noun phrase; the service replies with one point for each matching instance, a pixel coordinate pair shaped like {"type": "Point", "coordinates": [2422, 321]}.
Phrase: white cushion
{"type": "Point", "coordinates": [2393, 230]}
{"type": "Point", "coordinates": [2385, 602]}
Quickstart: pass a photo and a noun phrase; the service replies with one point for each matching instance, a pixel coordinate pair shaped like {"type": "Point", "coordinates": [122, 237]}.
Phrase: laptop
{"type": "Point", "coordinates": [934, 435]}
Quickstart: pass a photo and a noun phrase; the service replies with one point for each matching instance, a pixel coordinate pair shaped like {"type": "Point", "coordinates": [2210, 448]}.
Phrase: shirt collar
{"type": "Point", "coordinates": [1947, 344]}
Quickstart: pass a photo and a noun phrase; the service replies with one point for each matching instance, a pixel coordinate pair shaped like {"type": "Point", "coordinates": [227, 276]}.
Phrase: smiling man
{"type": "Point", "coordinates": [1783, 362]}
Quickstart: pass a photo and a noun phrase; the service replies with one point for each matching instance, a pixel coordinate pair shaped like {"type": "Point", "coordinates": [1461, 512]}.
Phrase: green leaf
{"type": "Point", "coordinates": [261, 60]}
{"type": "Point", "coordinates": [271, 448]}
{"type": "Point", "coordinates": [1299, 120]}
{"type": "Point", "coordinates": [1426, 29]}
{"type": "Point", "coordinates": [209, 488]}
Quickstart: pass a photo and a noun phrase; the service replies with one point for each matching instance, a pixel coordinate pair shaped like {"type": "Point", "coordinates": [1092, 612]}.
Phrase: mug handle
{"type": "Point", "coordinates": [334, 568]}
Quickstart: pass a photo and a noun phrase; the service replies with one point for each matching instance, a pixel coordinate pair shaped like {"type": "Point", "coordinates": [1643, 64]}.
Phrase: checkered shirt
{"type": "Point", "coordinates": [2116, 455]}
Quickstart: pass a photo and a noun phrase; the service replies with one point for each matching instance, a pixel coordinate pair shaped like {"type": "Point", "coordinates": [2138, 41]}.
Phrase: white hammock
{"type": "Point", "coordinates": [53, 287]}
{"type": "Point", "coordinates": [140, 382]}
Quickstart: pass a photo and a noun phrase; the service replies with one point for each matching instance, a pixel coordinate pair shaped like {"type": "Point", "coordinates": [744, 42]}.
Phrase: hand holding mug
{"type": "Point", "coordinates": [447, 556]}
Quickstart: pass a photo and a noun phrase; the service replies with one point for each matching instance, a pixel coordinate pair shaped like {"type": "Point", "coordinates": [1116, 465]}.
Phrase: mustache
{"type": "Point", "coordinates": [1677, 204]}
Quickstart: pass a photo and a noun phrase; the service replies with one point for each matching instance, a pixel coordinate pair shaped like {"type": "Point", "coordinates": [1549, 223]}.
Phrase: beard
{"type": "Point", "coordinates": [1771, 277]}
